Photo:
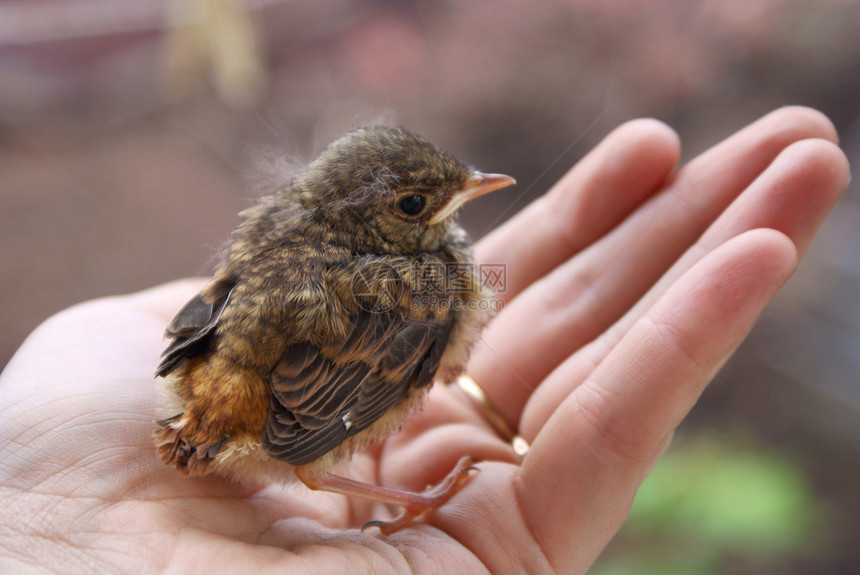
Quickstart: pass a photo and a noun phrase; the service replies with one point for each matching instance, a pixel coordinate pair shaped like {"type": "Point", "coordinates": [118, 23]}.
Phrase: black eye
{"type": "Point", "coordinates": [412, 205]}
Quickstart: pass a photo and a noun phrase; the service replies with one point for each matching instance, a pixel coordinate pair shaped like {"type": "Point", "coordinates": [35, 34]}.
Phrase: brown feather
{"type": "Point", "coordinates": [193, 324]}
{"type": "Point", "coordinates": [333, 397]}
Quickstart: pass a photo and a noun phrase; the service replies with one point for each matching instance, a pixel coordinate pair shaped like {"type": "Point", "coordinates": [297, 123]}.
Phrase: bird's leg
{"type": "Point", "coordinates": [414, 504]}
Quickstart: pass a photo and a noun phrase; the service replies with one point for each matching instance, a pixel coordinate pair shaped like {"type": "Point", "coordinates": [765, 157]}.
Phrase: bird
{"type": "Point", "coordinates": [339, 300]}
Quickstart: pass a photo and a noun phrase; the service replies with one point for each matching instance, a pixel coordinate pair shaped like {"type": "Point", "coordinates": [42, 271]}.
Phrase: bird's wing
{"type": "Point", "coordinates": [192, 327]}
{"type": "Point", "coordinates": [322, 395]}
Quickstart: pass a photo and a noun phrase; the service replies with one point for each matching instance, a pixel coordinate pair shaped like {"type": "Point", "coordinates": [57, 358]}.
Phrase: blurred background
{"type": "Point", "coordinates": [133, 131]}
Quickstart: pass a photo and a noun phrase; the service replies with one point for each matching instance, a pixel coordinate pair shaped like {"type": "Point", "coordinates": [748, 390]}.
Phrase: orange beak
{"type": "Point", "coordinates": [478, 184]}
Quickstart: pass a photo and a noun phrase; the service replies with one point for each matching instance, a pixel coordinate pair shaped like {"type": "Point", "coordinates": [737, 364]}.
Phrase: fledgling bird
{"type": "Point", "coordinates": [327, 320]}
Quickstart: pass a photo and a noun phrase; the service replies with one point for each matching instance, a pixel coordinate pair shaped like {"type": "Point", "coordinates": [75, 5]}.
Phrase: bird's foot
{"type": "Point", "coordinates": [432, 498]}
{"type": "Point", "coordinates": [414, 504]}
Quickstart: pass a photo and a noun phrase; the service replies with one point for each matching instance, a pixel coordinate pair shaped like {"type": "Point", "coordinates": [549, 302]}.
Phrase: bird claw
{"type": "Point", "coordinates": [374, 523]}
{"type": "Point", "coordinates": [432, 498]}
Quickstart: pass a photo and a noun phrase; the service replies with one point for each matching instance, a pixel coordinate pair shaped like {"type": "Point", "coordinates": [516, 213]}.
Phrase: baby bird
{"type": "Point", "coordinates": [338, 302]}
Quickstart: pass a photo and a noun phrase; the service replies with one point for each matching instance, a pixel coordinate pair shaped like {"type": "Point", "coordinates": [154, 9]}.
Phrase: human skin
{"type": "Point", "coordinates": [628, 285]}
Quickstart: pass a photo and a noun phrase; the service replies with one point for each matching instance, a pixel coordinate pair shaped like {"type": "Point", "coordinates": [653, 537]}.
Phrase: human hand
{"type": "Point", "coordinates": [628, 287]}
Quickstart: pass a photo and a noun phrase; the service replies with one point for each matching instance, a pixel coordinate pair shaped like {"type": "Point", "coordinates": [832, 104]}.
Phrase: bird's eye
{"type": "Point", "coordinates": [412, 205]}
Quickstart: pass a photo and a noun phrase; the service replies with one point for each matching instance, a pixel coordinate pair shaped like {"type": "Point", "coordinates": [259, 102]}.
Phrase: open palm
{"type": "Point", "coordinates": [628, 285]}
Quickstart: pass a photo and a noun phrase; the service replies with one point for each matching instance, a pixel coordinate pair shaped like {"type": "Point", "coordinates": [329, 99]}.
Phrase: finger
{"type": "Point", "coordinates": [793, 196]}
{"type": "Point", "coordinates": [597, 193]}
{"type": "Point", "coordinates": [81, 388]}
{"type": "Point", "coordinates": [579, 478]}
{"type": "Point", "coordinates": [165, 300]}
{"type": "Point", "coordinates": [583, 297]}
{"type": "Point", "coordinates": [101, 337]}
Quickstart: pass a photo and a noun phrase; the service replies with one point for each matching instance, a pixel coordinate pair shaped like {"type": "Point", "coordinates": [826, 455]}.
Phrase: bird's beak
{"type": "Point", "coordinates": [478, 184]}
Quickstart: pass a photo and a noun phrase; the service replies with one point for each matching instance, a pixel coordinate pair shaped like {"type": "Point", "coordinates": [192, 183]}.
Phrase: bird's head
{"type": "Point", "coordinates": [390, 189]}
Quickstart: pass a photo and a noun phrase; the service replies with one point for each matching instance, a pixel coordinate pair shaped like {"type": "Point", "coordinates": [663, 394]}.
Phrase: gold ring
{"type": "Point", "coordinates": [471, 388]}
